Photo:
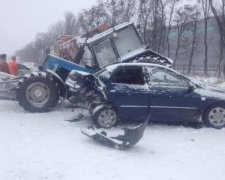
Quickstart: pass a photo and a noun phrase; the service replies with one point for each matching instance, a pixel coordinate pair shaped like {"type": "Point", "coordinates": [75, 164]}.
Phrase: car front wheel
{"type": "Point", "coordinates": [215, 116]}
{"type": "Point", "coordinates": [104, 116]}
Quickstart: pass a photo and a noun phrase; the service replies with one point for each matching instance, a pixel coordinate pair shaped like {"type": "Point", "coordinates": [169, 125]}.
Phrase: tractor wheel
{"type": "Point", "coordinates": [104, 117]}
{"type": "Point", "coordinates": [38, 92]}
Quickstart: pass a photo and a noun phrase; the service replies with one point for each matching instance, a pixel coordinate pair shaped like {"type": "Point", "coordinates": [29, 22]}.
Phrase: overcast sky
{"type": "Point", "coordinates": [21, 20]}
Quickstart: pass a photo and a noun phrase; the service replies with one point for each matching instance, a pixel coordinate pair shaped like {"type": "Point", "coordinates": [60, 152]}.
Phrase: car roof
{"type": "Point", "coordinates": [112, 67]}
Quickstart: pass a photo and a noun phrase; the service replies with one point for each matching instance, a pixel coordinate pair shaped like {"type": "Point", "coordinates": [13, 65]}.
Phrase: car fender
{"type": "Point", "coordinates": [104, 104]}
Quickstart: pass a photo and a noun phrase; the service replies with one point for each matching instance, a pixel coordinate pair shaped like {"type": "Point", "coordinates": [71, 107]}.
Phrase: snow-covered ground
{"type": "Point", "coordinates": [44, 146]}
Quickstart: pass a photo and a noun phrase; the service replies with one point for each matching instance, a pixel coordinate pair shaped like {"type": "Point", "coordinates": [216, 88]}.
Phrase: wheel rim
{"type": "Point", "coordinates": [107, 118]}
{"type": "Point", "coordinates": [38, 94]}
{"type": "Point", "coordinates": [217, 117]}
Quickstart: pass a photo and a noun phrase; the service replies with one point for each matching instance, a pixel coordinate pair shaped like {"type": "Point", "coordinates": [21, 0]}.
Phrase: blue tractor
{"type": "Point", "coordinates": [40, 91]}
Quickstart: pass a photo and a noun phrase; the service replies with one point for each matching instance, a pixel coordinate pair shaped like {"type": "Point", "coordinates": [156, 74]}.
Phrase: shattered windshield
{"type": "Point", "coordinates": [127, 41]}
{"type": "Point", "coordinates": [105, 54]}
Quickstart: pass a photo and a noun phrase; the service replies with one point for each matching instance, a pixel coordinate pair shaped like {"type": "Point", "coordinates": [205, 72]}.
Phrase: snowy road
{"type": "Point", "coordinates": [44, 146]}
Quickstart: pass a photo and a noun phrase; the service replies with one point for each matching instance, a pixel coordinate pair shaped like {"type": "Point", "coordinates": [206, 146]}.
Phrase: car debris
{"type": "Point", "coordinates": [124, 139]}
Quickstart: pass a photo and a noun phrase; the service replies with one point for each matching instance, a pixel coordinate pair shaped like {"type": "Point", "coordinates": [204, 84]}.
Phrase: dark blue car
{"type": "Point", "coordinates": [132, 91]}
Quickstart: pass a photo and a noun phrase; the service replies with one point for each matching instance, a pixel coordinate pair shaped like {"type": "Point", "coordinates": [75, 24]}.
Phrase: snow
{"type": "Point", "coordinates": [39, 146]}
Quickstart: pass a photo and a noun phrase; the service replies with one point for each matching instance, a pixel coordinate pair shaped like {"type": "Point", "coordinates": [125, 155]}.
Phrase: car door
{"type": "Point", "coordinates": [129, 92]}
{"type": "Point", "coordinates": [171, 98]}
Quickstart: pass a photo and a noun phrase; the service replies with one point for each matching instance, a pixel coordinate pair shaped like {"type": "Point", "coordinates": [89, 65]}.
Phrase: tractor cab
{"type": "Point", "coordinates": [115, 45]}
{"type": "Point", "coordinates": [120, 44]}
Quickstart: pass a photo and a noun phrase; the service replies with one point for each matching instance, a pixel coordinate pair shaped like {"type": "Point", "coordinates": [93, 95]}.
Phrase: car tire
{"type": "Point", "coordinates": [104, 116]}
{"type": "Point", "coordinates": [215, 116]}
{"type": "Point", "coordinates": [38, 92]}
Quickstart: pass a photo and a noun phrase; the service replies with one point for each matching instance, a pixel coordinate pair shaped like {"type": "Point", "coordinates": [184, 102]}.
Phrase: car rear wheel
{"type": "Point", "coordinates": [215, 116]}
{"type": "Point", "coordinates": [104, 117]}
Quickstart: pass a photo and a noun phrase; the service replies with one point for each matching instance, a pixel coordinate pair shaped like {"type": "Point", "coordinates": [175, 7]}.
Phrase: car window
{"type": "Point", "coordinates": [163, 77]}
{"type": "Point", "coordinates": [128, 75]}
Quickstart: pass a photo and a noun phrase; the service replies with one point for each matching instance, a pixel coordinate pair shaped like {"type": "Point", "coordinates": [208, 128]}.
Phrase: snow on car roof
{"type": "Point", "coordinates": [114, 66]}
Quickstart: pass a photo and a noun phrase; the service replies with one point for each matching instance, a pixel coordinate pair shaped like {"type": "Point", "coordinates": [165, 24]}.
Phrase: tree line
{"type": "Point", "coordinates": [169, 27]}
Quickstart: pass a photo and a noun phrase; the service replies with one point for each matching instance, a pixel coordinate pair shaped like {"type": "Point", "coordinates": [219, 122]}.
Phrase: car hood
{"type": "Point", "coordinates": [211, 92]}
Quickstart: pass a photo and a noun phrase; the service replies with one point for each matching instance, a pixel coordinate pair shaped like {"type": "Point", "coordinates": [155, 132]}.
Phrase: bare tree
{"type": "Point", "coordinates": [181, 19]}
{"type": "Point", "coordinates": [35, 51]}
{"type": "Point", "coordinates": [194, 19]}
{"type": "Point", "coordinates": [152, 21]}
{"type": "Point", "coordinates": [55, 31]}
{"type": "Point", "coordinates": [162, 25]}
{"type": "Point", "coordinates": [71, 25]}
{"type": "Point", "coordinates": [172, 5]}
{"type": "Point", "coordinates": [28, 53]}
{"type": "Point", "coordinates": [119, 11]}
{"type": "Point", "coordinates": [144, 18]}
{"type": "Point", "coordinates": [155, 21]}
{"type": "Point", "coordinates": [206, 10]}
{"type": "Point", "coordinates": [90, 18]}
{"type": "Point", "coordinates": [219, 15]}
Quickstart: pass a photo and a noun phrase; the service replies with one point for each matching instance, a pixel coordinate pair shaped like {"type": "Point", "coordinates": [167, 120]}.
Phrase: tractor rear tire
{"type": "Point", "coordinates": [38, 92]}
